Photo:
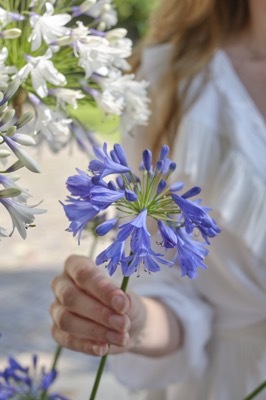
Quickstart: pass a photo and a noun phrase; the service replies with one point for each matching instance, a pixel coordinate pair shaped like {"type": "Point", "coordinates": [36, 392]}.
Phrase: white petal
{"type": "Point", "coordinates": [39, 83]}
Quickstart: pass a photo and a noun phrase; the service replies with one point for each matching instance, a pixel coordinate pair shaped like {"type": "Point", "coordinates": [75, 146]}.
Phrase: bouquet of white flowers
{"type": "Point", "coordinates": [63, 52]}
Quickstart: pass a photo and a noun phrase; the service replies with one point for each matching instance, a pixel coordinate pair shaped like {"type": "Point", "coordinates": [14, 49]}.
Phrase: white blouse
{"type": "Point", "coordinates": [221, 146]}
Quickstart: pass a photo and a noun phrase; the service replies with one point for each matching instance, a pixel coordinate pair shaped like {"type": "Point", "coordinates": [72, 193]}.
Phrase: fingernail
{"type": "Point", "coordinates": [117, 339]}
{"type": "Point", "coordinates": [99, 350]}
{"type": "Point", "coordinates": [118, 303]}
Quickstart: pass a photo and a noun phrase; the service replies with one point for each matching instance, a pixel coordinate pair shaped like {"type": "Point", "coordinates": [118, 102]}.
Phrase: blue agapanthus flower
{"type": "Point", "coordinates": [19, 382]}
{"type": "Point", "coordinates": [181, 221]}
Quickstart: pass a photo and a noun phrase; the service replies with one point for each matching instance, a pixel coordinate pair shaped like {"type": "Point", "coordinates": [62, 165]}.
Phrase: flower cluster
{"type": "Point", "coordinates": [178, 217]}
{"type": "Point", "coordinates": [12, 197]}
{"type": "Point", "coordinates": [18, 382]}
{"type": "Point", "coordinates": [60, 60]}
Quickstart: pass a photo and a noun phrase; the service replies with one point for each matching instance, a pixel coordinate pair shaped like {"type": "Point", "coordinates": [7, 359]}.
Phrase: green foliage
{"type": "Point", "coordinates": [106, 127]}
{"type": "Point", "coordinates": [133, 15]}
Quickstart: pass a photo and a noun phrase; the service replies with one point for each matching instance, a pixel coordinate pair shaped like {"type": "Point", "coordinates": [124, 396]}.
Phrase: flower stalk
{"type": "Point", "coordinates": [104, 358]}
{"type": "Point", "coordinates": [257, 391]}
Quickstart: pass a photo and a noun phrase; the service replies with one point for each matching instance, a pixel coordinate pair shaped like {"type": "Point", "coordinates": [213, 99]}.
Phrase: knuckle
{"type": "Point", "coordinates": [51, 308]}
{"type": "Point", "coordinates": [71, 260]}
{"type": "Point", "coordinates": [67, 295]}
{"type": "Point", "coordinates": [68, 341]}
{"type": "Point", "coordinates": [62, 319]}
{"type": "Point", "coordinates": [104, 315]}
{"type": "Point", "coordinates": [53, 283]}
{"type": "Point", "coordinates": [80, 273]}
{"type": "Point", "coordinates": [54, 333]}
{"type": "Point", "coordinates": [125, 325]}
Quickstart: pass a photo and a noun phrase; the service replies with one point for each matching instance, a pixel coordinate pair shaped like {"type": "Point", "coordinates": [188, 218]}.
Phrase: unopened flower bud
{"type": "Point", "coordinates": [130, 195]}
{"type": "Point", "coordinates": [11, 90]}
{"type": "Point", "coordinates": [12, 33]}
{"type": "Point", "coordinates": [161, 186]}
{"type": "Point", "coordinates": [106, 226]}
{"type": "Point", "coordinates": [115, 34]}
{"type": "Point", "coordinates": [24, 119]}
{"type": "Point", "coordinates": [11, 131]}
{"type": "Point", "coordinates": [147, 160]}
{"type": "Point", "coordinates": [10, 192]}
{"type": "Point", "coordinates": [25, 140]}
{"type": "Point", "coordinates": [4, 153]}
{"type": "Point", "coordinates": [101, 26]}
{"type": "Point", "coordinates": [6, 117]}
{"type": "Point", "coordinates": [3, 85]}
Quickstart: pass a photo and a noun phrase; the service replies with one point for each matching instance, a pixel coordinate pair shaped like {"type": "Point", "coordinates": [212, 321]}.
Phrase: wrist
{"type": "Point", "coordinates": [156, 330]}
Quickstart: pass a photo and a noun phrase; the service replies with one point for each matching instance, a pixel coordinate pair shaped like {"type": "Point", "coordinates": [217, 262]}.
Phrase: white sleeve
{"type": "Point", "coordinates": [141, 372]}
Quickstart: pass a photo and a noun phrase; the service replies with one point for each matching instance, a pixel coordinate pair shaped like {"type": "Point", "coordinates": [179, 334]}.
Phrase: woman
{"type": "Point", "coordinates": [202, 339]}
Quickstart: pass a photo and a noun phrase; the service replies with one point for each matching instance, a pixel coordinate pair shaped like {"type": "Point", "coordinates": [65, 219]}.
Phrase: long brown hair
{"type": "Point", "coordinates": [195, 28]}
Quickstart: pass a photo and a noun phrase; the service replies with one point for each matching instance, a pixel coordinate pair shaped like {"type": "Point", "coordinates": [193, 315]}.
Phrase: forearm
{"type": "Point", "coordinates": [158, 331]}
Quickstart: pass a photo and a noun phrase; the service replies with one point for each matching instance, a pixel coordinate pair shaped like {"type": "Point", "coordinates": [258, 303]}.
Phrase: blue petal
{"type": "Point", "coordinates": [48, 379]}
{"type": "Point", "coordinates": [130, 195]}
{"type": "Point", "coordinates": [192, 192]}
{"type": "Point", "coordinates": [106, 226]}
{"type": "Point", "coordinates": [168, 236]}
{"type": "Point", "coordinates": [175, 187]}
{"type": "Point", "coordinates": [103, 197]}
{"type": "Point", "coordinates": [147, 160]}
{"type": "Point", "coordinates": [121, 155]}
{"type": "Point", "coordinates": [164, 152]}
{"type": "Point", "coordinates": [161, 186]}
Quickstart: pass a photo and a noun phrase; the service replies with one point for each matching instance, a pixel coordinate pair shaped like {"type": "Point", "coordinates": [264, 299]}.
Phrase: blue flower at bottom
{"type": "Point", "coordinates": [18, 382]}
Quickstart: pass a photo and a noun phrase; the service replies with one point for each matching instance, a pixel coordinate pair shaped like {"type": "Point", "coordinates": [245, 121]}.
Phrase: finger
{"type": "Point", "coordinates": [71, 342]}
{"type": "Point", "coordinates": [88, 278]}
{"type": "Point", "coordinates": [84, 328]}
{"type": "Point", "coordinates": [76, 301]}
{"type": "Point", "coordinates": [82, 345]}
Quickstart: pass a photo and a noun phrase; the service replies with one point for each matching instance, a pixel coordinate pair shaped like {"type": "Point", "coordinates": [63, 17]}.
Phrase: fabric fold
{"type": "Point", "coordinates": [235, 190]}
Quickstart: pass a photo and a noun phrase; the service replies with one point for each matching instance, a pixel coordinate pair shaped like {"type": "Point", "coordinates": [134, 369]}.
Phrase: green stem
{"type": "Point", "coordinates": [256, 391]}
{"type": "Point", "coordinates": [104, 358]}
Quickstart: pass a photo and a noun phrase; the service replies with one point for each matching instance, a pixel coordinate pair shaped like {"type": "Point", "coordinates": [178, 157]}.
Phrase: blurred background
{"type": "Point", "coordinates": [27, 267]}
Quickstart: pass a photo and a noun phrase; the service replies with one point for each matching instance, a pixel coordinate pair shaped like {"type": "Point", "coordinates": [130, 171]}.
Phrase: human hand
{"type": "Point", "coordinates": [90, 312]}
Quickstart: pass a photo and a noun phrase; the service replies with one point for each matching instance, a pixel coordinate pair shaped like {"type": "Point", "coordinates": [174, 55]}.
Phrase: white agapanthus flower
{"type": "Point", "coordinates": [82, 8]}
{"type": "Point", "coordinates": [25, 159]}
{"type": "Point", "coordinates": [47, 27]}
{"type": "Point", "coordinates": [42, 70]}
{"type": "Point", "coordinates": [117, 39]}
{"type": "Point", "coordinates": [7, 182]}
{"type": "Point", "coordinates": [103, 11]}
{"type": "Point", "coordinates": [7, 16]}
{"type": "Point", "coordinates": [12, 197]}
{"type": "Point", "coordinates": [5, 71]}
{"type": "Point", "coordinates": [51, 126]}
{"type": "Point", "coordinates": [67, 96]}
{"type": "Point", "coordinates": [97, 54]}
{"type": "Point", "coordinates": [22, 215]}
{"type": "Point", "coordinates": [125, 97]}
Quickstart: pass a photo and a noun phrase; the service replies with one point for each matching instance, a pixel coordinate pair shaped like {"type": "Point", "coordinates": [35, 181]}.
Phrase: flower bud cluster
{"type": "Point", "coordinates": [137, 199]}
